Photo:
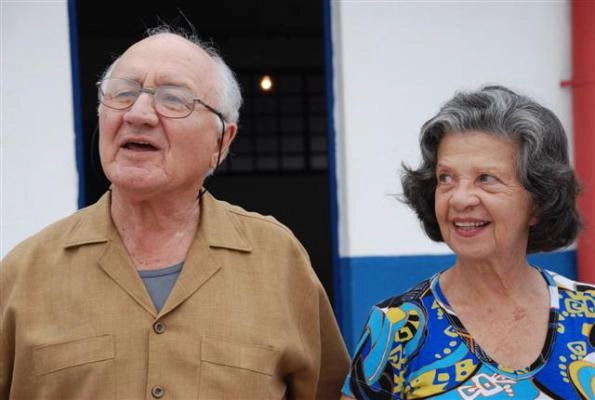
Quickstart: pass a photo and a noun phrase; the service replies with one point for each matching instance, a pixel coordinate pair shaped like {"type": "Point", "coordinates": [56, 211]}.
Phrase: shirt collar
{"type": "Point", "coordinates": [219, 224]}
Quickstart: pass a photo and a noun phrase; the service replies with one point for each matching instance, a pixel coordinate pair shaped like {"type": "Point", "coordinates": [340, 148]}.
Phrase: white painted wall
{"type": "Point", "coordinates": [38, 177]}
{"type": "Point", "coordinates": [395, 63]}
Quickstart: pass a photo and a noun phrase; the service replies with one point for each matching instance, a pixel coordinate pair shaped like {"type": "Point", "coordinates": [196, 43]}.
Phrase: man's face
{"type": "Point", "coordinates": [145, 154]}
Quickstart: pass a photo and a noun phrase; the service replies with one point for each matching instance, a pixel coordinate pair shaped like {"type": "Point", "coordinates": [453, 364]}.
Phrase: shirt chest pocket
{"type": "Point", "coordinates": [232, 370]}
{"type": "Point", "coordinates": [61, 367]}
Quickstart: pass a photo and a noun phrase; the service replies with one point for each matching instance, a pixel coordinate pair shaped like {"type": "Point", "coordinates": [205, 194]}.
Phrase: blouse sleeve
{"type": "Point", "coordinates": [380, 363]}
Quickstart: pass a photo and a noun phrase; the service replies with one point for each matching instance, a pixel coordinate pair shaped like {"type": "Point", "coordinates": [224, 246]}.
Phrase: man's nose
{"type": "Point", "coordinates": [142, 110]}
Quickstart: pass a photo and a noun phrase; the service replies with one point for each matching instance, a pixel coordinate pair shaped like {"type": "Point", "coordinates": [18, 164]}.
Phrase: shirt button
{"type": "Point", "coordinates": [159, 327]}
{"type": "Point", "coordinates": [157, 391]}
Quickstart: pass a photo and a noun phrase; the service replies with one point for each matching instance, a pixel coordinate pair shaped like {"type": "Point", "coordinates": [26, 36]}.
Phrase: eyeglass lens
{"type": "Point", "coordinates": [170, 101]}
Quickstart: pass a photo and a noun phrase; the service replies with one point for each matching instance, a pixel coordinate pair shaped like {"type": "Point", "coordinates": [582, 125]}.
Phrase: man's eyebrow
{"type": "Point", "coordinates": [169, 79]}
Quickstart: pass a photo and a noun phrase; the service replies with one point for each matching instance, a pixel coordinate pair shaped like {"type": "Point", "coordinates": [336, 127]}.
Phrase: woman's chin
{"type": "Point", "coordinates": [470, 252]}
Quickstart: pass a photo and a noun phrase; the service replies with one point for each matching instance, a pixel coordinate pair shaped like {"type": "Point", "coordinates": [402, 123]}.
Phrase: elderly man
{"type": "Point", "coordinates": [159, 290]}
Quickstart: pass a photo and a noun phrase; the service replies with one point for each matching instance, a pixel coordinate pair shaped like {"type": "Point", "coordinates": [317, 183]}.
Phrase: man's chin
{"type": "Point", "coordinates": [138, 179]}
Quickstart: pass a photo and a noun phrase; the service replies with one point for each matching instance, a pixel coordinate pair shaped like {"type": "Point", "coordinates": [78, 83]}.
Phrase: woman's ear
{"type": "Point", "coordinates": [534, 216]}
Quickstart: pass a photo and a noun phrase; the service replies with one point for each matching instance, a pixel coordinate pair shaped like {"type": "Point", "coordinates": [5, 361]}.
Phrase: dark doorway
{"type": "Point", "coordinates": [278, 164]}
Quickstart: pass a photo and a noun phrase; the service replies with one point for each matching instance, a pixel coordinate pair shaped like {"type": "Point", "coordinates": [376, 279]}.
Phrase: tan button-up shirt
{"type": "Point", "coordinates": [247, 318]}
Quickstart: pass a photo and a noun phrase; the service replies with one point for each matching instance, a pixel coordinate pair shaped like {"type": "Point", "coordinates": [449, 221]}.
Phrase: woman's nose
{"type": "Point", "coordinates": [464, 196]}
{"type": "Point", "coordinates": [142, 111]}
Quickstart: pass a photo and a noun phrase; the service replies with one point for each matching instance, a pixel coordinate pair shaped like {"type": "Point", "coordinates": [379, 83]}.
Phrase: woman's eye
{"type": "Point", "coordinates": [487, 178]}
{"type": "Point", "coordinates": [444, 178]}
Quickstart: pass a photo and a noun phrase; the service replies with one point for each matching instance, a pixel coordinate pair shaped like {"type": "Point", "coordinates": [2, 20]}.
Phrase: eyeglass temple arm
{"type": "Point", "coordinates": [213, 110]}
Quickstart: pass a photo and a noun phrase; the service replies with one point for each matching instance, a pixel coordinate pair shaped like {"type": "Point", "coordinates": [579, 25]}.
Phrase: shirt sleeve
{"type": "Point", "coordinates": [334, 360]}
{"type": "Point", "coordinates": [323, 348]}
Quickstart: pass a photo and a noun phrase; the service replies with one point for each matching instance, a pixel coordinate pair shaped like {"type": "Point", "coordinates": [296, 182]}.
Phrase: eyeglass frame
{"type": "Point", "coordinates": [152, 91]}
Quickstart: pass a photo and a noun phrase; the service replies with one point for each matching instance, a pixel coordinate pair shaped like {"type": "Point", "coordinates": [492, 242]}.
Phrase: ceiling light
{"type": "Point", "coordinates": [266, 83]}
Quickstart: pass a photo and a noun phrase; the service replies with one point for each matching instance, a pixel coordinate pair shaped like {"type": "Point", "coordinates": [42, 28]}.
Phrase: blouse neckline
{"type": "Point", "coordinates": [474, 347]}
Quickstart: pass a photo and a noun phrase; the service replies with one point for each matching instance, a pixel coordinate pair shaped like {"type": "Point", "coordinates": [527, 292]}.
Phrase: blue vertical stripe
{"type": "Point", "coordinates": [332, 162]}
{"type": "Point", "coordinates": [77, 103]}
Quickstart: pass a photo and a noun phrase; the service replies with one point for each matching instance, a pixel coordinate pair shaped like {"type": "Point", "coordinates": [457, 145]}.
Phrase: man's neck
{"type": "Point", "coordinates": [155, 232]}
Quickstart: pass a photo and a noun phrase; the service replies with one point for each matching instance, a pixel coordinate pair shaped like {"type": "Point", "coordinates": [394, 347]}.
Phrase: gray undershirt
{"type": "Point", "coordinates": [159, 282]}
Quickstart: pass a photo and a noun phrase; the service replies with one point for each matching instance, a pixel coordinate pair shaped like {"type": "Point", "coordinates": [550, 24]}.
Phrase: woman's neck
{"type": "Point", "coordinates": [476, 282]}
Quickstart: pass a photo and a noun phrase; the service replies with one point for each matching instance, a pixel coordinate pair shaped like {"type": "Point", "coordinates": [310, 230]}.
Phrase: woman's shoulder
{"type": "Point", "coordinates": [412, 306]}
{"type": "Point", "coordinates": [567, 284]}
{"type": "Point", "coordinates": [414, 295]}
{"type": "Point", "coordinates": [400, 323]}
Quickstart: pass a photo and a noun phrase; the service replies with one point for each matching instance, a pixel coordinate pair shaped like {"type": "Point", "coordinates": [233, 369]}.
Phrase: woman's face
{"type": "Point", "coordinates": [482, 208]}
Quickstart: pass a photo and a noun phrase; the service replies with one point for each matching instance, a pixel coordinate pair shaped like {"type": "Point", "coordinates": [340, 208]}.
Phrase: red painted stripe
{"type": "Point", "coordinates": [583, 104]}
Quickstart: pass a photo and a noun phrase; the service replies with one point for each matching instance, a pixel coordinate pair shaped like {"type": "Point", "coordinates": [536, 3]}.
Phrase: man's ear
{"type": "Point", "coordinates": [228, 136]}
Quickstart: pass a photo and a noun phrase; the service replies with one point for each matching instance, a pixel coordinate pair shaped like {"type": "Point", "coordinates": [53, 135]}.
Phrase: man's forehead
{"type": "Point", "coordinates": [167, 45]}
{"type": "Point", "coordinates": [164, 54]}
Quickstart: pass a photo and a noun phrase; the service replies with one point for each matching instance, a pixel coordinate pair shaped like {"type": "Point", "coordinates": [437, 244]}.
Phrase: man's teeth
{"type": "Point", "coordinates": [145, 145]}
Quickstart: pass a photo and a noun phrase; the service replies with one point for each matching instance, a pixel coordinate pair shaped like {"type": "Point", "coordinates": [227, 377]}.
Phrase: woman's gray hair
{"type": "Point", "coordinates": [228, 89]}
{"type": "Point", "coordinates": [542, 164]}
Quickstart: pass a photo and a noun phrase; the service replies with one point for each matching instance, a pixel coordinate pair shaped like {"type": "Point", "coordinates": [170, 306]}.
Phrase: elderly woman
{"type": "Point", "coordinates": [495, 184]}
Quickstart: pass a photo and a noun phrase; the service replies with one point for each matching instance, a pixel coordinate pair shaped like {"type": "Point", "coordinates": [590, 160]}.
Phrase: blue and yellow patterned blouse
{"type": "Point", "coordinates": [415, 347]}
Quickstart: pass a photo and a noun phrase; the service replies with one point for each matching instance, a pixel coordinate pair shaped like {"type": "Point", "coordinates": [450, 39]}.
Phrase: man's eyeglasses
{"type": "Point", "coordinates": [170, 101]}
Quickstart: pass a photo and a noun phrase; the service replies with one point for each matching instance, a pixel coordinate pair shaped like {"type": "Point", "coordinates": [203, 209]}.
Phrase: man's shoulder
{"type": "Point", "coordinates": [37, 253]}
{"type": "Point", "coordinates": [268, 240]}
{"type": "Point", "coordinates": [257, 222]}
{"type": "Point", "coordinates": [263, 234]}
{"type": "Point", "coordinates": [52, 236]}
